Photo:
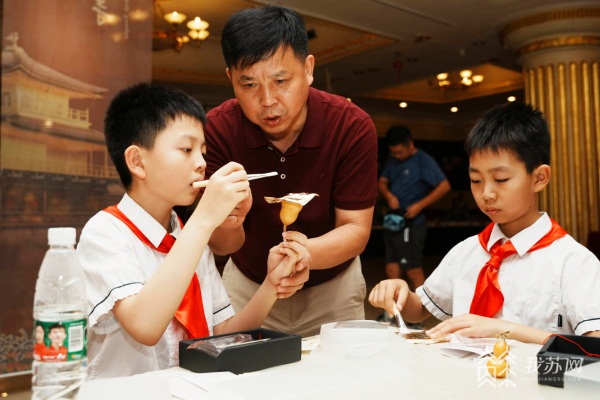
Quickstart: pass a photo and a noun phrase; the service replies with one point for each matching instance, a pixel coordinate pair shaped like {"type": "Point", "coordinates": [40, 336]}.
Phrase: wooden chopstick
{"type": "Point", "coordinates": [201, 184]}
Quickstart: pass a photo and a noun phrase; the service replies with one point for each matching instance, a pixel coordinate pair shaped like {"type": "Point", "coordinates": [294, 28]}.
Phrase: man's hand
{"type": "Point", "coordinates": [393, 202]}
{"type": "Point", "coordinates": [236, 218]}
{"type": "Point", "coordinates": [413, 210]}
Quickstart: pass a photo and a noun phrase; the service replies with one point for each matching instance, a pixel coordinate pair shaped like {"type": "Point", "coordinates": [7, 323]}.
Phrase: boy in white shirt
{"type": "Point", "coordinates": [523, 273]}
{"type": "Point", "coordinates": [146, 290]}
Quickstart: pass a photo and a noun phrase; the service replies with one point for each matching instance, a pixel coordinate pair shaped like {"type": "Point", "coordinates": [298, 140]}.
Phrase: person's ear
{"type": "Point", "coordinates": [309, 67]}
{"type": "Point", "coordinates": [135, 162]}
{"type": "Point", "coordinates": [541, 177]}
{"type": "Point", "coordinates": [228, 72]}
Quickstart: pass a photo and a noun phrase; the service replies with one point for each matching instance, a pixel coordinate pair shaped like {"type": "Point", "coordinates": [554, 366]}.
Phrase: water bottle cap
{"type": "Point", "coordinates": [61, 236]}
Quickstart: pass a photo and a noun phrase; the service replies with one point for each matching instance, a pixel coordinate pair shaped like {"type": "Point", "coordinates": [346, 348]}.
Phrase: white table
{"type": "Point", "coordinates": [403, 370]}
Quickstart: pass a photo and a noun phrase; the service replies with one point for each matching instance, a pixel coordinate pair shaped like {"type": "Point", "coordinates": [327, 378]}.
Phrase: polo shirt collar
{"type": "Point", "coordinates": [311, 135]}
{"type": "Point", "coordinates": [145, 222]}
{"type": "Point", "coordinates": [524, 240]}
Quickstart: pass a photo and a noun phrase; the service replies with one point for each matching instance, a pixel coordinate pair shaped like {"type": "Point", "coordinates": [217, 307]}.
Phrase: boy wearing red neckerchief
{"type": "Point", "coordinates": [523, 273]}
{"type": "Point", "coordinates": [150, 281]}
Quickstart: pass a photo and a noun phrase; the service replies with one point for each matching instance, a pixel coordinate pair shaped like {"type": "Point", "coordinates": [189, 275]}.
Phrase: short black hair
{"type": "Point", "coordinates": [516, 127]}
{"type": "Point", "coordinates": [256, 34]}
{"type": "Point", "coordinates": [398, 135]}
{"type": "Point", "coordinates": [136, 116]}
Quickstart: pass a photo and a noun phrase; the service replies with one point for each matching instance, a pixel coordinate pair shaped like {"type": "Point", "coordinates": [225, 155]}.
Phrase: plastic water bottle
{"type": "Point", "coordinates": [60, 326]}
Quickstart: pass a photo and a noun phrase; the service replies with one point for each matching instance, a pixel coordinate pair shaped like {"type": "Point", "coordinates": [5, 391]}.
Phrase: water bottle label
{"type": "Point", "coordinates": [60, 341]}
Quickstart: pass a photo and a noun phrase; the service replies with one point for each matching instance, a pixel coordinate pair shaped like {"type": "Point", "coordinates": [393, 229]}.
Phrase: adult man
{"type": "Point", "coordinates": [410, 181]}
{"type": "Point", "coordinates": [318, 143]}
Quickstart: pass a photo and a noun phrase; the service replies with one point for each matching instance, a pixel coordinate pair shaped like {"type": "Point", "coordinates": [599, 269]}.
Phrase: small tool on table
{"type": "Point", "coordinates": [402, 328]}
{"type": "Point", "coordinates": [408, 333]}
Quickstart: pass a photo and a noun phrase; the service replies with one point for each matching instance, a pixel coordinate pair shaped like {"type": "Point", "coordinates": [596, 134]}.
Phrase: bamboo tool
{"type": "Point", "coordinates": [410, 334]}
{"type": "Point", "coordinates": [201, 184]}
{"type": "Point", "coordinates": [402, 328]}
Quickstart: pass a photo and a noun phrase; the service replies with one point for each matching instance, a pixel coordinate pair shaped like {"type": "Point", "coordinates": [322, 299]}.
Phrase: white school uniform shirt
{"type": "Point", "coordinates": [117, 264]}
{"type": "Point", "coordinates": [555, 288]}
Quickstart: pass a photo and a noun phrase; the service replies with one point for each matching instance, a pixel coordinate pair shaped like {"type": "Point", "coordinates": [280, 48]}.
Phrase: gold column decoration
{"type": "Point", "coordinates": [559, 51]}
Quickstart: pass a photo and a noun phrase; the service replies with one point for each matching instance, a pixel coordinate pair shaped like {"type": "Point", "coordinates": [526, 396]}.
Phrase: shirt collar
{"type": "Point", "coordinates": [311, 135]}
{"type": "Point", "coordinates": [524, 240]}
{"type": "Point", "coordinates": [145, 222]}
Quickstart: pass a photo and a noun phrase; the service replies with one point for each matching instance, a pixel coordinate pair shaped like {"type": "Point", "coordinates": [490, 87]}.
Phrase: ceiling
{"type": "Point", "coordinates": [382, 51]}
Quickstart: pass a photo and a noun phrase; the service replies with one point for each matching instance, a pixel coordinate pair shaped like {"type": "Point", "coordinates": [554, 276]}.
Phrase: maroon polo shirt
{"type": "Point", "coordinates": [334, 156]}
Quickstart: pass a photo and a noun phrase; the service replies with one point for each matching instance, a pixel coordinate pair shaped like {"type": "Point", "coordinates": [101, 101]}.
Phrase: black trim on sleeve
{"type": "Point", "coordinates": [430, 299]}
{"type": "Point", "coordinates": [111, 290]}
{"type": "Point", "coordinates": [585, 320]}
{"type": "Point", "coordinates": [218, 311]}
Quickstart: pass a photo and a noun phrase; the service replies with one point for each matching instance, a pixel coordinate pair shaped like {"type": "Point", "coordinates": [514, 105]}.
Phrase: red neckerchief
{"type": "Point", "coordinates": [190, 312]}
{"type": "Point", "coordinates": [488, 298]}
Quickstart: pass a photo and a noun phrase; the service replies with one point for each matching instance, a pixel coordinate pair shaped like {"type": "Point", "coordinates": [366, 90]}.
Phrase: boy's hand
{"type": "Point", "coordinates": [470, 325]}
{"type": "Point", "coordinates": [288, 264]}
{"type": "Point", "coordinates": [386, 292]}
{"type": "Point", "coordinates": [226, 188]}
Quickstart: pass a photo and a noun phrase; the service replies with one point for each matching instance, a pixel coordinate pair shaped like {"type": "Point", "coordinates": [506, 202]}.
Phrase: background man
{"type": "Point", "coordinates": [410, 181]}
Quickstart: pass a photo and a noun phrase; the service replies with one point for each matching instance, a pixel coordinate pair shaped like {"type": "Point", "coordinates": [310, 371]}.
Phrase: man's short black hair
{"type": "Point", "coordinates": [256, 34]}
{"type": "Point", "coordinates": [398, 135]}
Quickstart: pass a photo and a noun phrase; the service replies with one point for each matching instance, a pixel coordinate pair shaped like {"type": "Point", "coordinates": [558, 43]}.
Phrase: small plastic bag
{"type": "Point", "coordinates": [215, 346]}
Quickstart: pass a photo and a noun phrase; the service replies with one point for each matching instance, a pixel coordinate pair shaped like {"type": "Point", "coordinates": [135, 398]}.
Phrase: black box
{"type": "Point", "coordinates": [281, 348]}
{"type": "Point", "coordinates": [558, 356]}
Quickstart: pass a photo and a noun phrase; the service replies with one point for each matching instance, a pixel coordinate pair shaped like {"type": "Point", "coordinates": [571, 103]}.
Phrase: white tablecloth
{"type": "Point", "coordinates": [402, 371]}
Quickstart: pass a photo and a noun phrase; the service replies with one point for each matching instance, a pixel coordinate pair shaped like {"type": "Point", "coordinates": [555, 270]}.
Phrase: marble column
{"type": "Point", "coordinates": [559, 51]}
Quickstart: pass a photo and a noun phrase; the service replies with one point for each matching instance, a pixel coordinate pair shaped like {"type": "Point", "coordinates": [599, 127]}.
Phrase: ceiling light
{"type": "Point", "coordinates": [453, 109]}
{"type": "Point", "coordinates": [403, 104]}
{"type": "Point", "coordinates": [197, 33]}
{"type": "Point", "coordinates": [197, 24]}
{"type": "Point", "coordinates": [511, 98]}
{"type": "Point", "coordinates": [464, 80]}
{"type": "Point", "coordinates": [175, 18]}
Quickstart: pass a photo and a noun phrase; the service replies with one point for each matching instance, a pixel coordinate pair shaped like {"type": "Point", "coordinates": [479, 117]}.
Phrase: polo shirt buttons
{"type": "Point", "coordinates": [282, 159]}
{"type": "Point", "coordinates": [282, 176]}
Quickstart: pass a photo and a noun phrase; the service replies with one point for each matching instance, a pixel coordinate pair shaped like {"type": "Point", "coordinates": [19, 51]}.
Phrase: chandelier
{"type": "Point", "coordinates": [465, 80]}
{"type": "Point", "coordinates": [173, 38]}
